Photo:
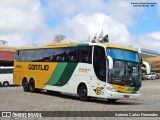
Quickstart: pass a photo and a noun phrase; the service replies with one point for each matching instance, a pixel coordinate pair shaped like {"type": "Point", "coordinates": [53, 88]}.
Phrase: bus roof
{"type": "Point", "coordinates": [61, 44]}
{"type": "Point", "coordinates": [70, 44]}
{"type": "Point", "coordinates": [117, 46]}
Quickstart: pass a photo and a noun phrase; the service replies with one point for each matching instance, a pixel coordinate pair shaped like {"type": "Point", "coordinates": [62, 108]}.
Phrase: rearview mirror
{"type": "Point", "coordinates": [148, 69]}
{"type": "Point", "coordinates": [110, 62]}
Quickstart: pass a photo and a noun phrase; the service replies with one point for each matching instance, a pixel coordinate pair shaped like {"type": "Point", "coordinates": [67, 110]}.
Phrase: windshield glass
{"type": "Point", "coordinates": [121, 54]}
{"type": "Point", "coordinates": [125, 73]}
{"type": "Point", "coordinates": [126, 67]}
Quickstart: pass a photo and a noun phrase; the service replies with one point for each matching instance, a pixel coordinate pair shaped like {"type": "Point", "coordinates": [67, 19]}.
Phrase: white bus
{"type": "Point", "coordinates": [6, 76]}
{"type": "Point", "coordinates": [99, 70]}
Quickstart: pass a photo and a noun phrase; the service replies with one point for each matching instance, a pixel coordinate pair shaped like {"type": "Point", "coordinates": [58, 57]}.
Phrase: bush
{"type": "Point", "coordinates": [156, 70]}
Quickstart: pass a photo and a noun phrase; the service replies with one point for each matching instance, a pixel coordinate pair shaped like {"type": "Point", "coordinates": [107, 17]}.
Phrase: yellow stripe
{"type": "Point", "coordinates": [121, 88]}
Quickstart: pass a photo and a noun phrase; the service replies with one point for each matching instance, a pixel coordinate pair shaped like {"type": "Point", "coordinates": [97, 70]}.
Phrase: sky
{"type": "Point", "coordinates": [36, 22]}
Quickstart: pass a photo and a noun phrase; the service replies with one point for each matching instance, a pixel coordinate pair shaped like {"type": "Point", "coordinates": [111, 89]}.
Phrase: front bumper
{"type": "Point", "coordinates": [118, 95]}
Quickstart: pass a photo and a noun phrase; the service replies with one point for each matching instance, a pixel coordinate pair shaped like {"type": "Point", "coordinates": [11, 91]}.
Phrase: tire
{"type": "Point", "coordinates": [111, 100]}
{"type": "Point", "coordinates": [25, 85]}
{"type": "Point", "coordinates": [83, 93]}
{"type": "Point", "coordinates": [0, 84]}
{"type": "Point", "coordinates": [32, 88]}
{"type": "Point", "coordinates": [5, 84]}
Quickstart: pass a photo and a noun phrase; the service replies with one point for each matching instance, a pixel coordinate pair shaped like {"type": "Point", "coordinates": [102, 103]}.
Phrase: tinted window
{"type": "Point", "coordinates": [6, 71]}
{"type": "Point", "coordinates": [22, 55]}
{"type": "Point", "coordinates": [17, 55]}
{"type": "Point", "coordinates": [48, 54]}
{"type": "Point", "coordinates": [72, 54]}
{"type": "Point", "coordinates": [38, 55]}
{"type": "Point", "coordinates": [30, 55]}
{"type": "Point", "coordinates": [60, 55]}
{"type": "Point", "coordinates": [85, 54]}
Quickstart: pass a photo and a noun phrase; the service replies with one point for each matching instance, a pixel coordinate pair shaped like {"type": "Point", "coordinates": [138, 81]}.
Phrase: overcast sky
{"type": "Point", "coordinates": [35, 22]}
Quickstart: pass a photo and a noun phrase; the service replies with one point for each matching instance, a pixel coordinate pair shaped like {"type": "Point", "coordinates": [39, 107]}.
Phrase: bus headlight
{"type": "Point", "coordinates": [111, 89]}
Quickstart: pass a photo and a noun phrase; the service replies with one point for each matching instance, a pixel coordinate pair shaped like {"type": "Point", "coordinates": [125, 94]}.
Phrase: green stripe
{"type": "Point", "coordinates": [133, 88]}
{"type": "Point", "coordinates": [56, 73]}
{"type": "Point", "coordinates": [136, 88]}
{"type": "Point", "coordinates": [130, 88]}
{"type": "Point", "coordinates": [62, 74]}
{"type": "Point", "coordinates": [66, 75]}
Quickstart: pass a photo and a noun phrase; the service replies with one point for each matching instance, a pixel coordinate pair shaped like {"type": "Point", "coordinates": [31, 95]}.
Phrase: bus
{"type": "Point", "coordinates": [100, 70]}
{"type": "Point", "coordinates": [6, 76]}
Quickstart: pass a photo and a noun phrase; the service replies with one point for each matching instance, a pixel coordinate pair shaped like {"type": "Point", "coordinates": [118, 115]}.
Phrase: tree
{"type": "Point", "coordinates": [59, 37]}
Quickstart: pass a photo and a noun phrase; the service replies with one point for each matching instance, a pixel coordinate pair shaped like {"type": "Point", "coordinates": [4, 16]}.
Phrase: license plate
{"type": "Point", "coordinates": [126, 96]}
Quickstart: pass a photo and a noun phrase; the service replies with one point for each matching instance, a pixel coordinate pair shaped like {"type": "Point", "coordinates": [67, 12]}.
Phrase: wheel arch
{"type": "Point", "coordinates": [25, 78]}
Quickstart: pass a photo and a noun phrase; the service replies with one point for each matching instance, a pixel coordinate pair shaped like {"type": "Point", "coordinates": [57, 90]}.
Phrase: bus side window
{"type": "Point", "coordinates": [71, 54]}
{"type": "Point", "coordinates": [68, 56]}
{"type": "Point", "coordinates": [22, 55]}
{"type": "Point", "coordinates": [60, 55]}
{"type": "Point", "coordinates": [85, 54]}
{"type": "Point", "coordinates": [30, 55]}
{"type": "Point", "coordinates": [39, 55]}
{"type": "Point", "coordinates": [1, 71]}
{"type": "Point", "coordinates": [48, 55]}
{"type": "Point", "coordinates": [17, 55]}
{"type": "Point", "coordinates": [8, 70]}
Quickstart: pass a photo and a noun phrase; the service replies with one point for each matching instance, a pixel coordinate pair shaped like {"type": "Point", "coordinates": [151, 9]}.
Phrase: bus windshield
{"type": "Point", "coordinates": [121, 54]}
{"type": "Point", "coordinates": [126, 68]}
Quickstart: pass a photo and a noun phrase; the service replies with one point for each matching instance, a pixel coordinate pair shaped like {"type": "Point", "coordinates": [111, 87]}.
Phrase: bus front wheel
{"type": "Point", "coordinates": [83, 93]}
{"type": "Point", "coordinates": [25, 85]}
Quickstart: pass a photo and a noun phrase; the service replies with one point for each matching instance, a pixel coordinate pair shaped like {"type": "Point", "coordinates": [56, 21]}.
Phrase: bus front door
{"type": "Point", "coordinates": [99, 65]}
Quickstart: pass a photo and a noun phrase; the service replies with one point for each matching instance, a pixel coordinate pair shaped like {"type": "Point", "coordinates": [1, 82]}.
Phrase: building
{"type": "Point", "coordinates": [6, 56]}
{"type": "Point", "coordinates": [154, 62]}
{"type": "Point", "coordinates": [152, 57]}
{"type": "Point", "coordinates": [145, 53]}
